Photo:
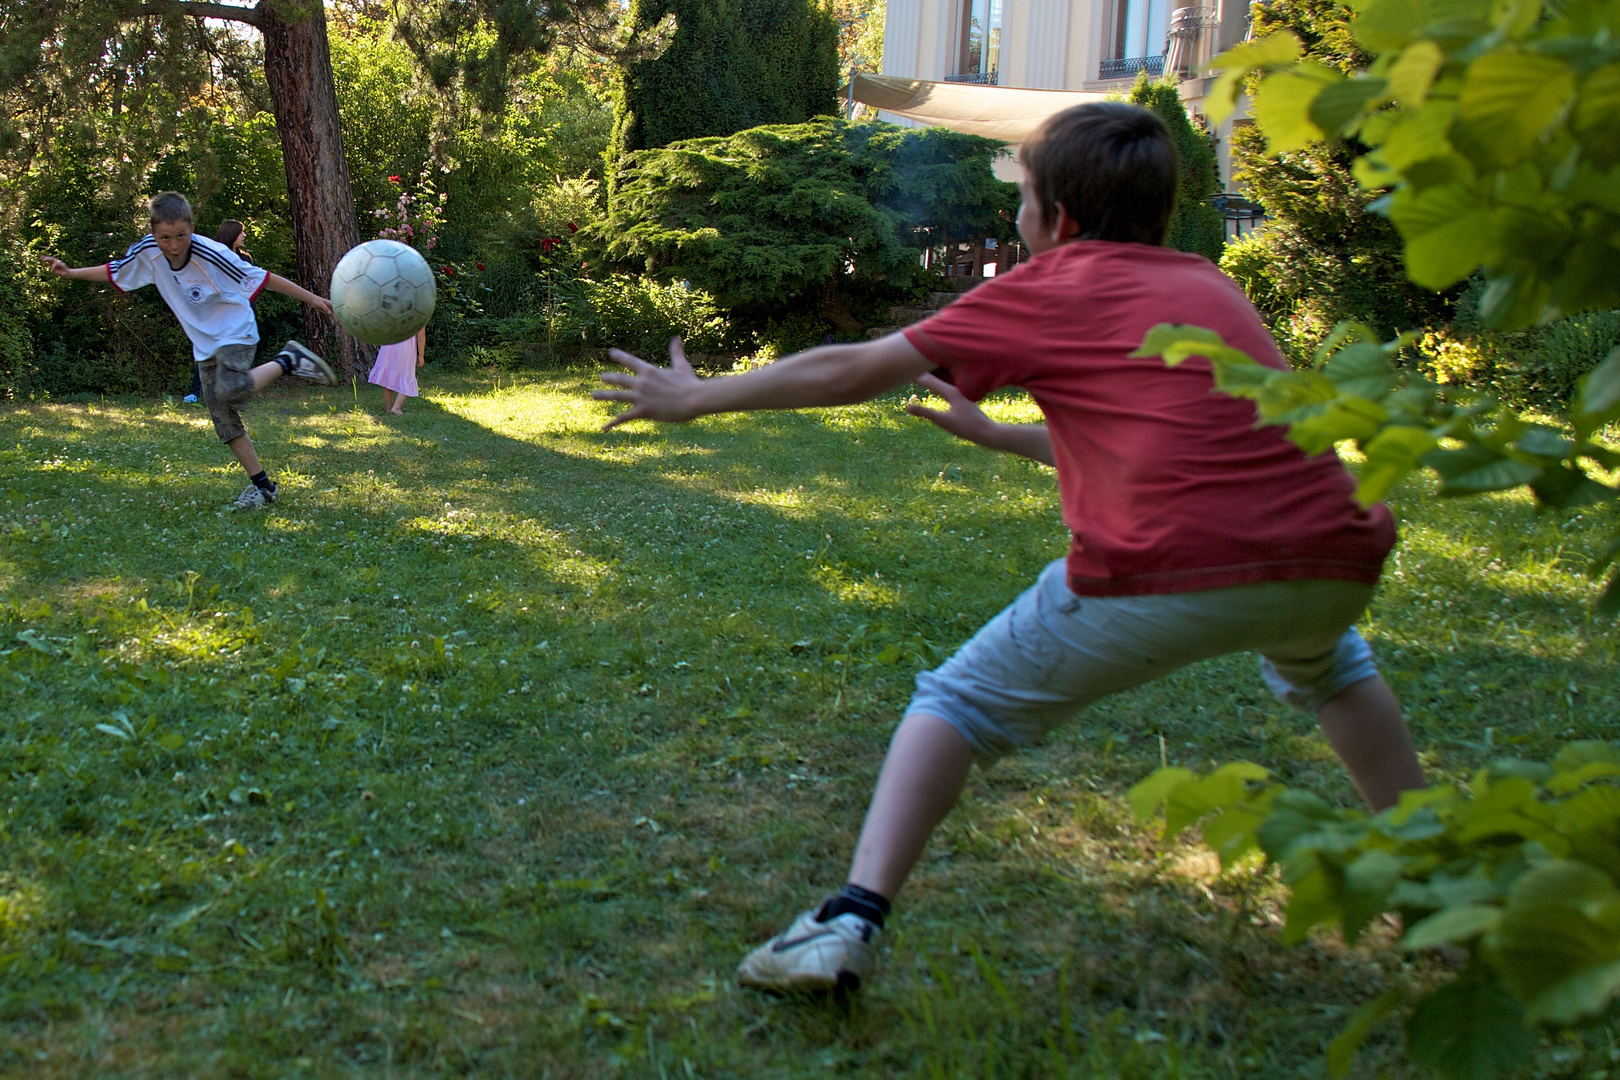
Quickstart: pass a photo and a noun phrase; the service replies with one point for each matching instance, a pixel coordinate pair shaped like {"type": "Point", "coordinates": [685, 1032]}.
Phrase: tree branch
{"type": "Point", "coordinates": [200, 9]}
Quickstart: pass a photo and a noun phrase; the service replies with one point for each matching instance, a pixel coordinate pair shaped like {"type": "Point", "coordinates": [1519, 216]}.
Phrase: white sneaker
{"type": "Point", "coordinates": [254, 499]}
{"type": "Point", "coordinates": [306, 365]}
{"type": "Point", "coordinates": [810, 955]}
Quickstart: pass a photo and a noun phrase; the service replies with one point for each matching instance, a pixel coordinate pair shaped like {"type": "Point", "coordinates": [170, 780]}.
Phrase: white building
{"type": "Point", "coordinates": [1091, 47]}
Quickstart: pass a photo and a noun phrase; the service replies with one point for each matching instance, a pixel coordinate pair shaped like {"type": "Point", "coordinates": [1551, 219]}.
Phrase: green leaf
{"type": "Point", "coordinates": [1565, 488]}
{"type": "Point", "coordinates": [1235, 64]}
{"type": "Point", "coordinates": [1597, 397]}
{"type": "Point", "coordinates": [1310, 903]}
{"type": "Point", "coordinates": [172, 741]}
{"type": "Point", "coordinates": [1597, 111]}
{"type": "Point", "coordinates": [1590, 815]}
{"type": "Point", "coordinates": [1538, 945]}
{"type": "Point", "coordinates": [1575, 755]}
{"type": "Point", "coordinates": [1413, 72]}
{"type": "Point", "coordinates": [1561, 881]}
{"type": "Point", "coordinates": [1362, 370]}
{"type": "Point", "coordinates": [1475, 469]}
{"type": "Point", "coordinates": [1565, 782]}
{"type": "Point", "coordinates": [1394, 453]}
{"type": "Point", "coordinates": [1452, 924]}
{"type": "Point", "coordinates": [1442, 891]}
{"type": "Point", "coordinates": [1231, 833]}
{"type": "Point", "coordinates": [1513, 98]}
{"type": "Point", "coordinates": [1367, 884]}
{"type": "Point", "coordinates": [1421, 134]}
{"type": "Point", "coordinates": [1470, 1029]}
{"type": "Point", "coordinates": [1188, 802]}
{"type": "Point", "coordinates": [1339, 103]}
{"type": "Point", "coordinates": [1298, 820]}
{"type": "Point", "coordinates": [1282, 106]}
{"type": "Point", "coordinates": [1543, 441]}
{"type": "Point", "coordinates": [1609, 602]}
{"type": "Point", "coordinates": [1346, 1044]}
{"type": "Point", "coordinates": [1149, 794]}
{"type": "Point", "coordinates": [1449, 231]}
{"type": "Point", "coordinates": [1584, 994]}
{"type": "Point", "coordinates": [1347, 418]}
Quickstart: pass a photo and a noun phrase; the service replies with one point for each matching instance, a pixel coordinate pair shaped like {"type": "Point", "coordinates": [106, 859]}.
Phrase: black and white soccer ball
{"type": "Point", "coordinates": [383, 292]}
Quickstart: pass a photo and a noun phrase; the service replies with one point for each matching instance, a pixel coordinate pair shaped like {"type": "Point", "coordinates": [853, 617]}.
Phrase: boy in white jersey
{"type": "Point", "coordinates": [211, 291]}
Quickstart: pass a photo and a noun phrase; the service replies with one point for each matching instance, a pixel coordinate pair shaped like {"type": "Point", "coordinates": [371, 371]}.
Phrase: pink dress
{"type": "Point", "coordinates": [395, 368]}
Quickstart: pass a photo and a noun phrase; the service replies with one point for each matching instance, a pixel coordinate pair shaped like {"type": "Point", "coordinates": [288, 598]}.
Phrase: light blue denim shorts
{"type": "Point", "coordinates": [1051, 653]}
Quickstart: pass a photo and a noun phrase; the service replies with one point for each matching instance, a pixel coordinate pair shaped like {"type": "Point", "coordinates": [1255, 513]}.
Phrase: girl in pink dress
{"type": "Point", "coordinates": [395, 370]}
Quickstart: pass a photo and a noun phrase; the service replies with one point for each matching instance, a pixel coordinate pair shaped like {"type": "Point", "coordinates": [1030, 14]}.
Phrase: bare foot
{"type": "Point", "coordinates": [396, 412]}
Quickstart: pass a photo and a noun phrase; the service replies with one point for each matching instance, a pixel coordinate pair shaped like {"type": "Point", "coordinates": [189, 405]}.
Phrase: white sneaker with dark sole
{"type": "Point", "coordinates": [306, 365]}
{"type": "Point", "coordinates": [813, 956]}
{"type": "Point", "coordinates": [254, 499]}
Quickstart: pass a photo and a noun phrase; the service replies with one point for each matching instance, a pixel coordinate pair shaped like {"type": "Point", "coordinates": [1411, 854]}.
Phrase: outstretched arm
{"type": "Point", "coordinates": [966, 420]}
{"type": "Point", "coordinates": [277, 283]}
{"type": "Point", "coordinates": [829, 375]}
{"type": "Point", "coordinates": [78, 273]}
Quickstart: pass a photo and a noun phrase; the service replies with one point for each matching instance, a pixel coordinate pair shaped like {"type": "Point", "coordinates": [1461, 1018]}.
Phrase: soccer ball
{"type": "Point", "coordinates": [383, 292]}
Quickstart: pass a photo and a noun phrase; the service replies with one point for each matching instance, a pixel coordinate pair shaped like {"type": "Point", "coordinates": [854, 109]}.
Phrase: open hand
{"type": "Point", "coordinates": [56, 266]}
{"type": "Point", "coordinates": [653, 392]}
{"type": "Point", "coordinates": [321, 304]}
{"type": "Point", "coordinates": [964, 419]}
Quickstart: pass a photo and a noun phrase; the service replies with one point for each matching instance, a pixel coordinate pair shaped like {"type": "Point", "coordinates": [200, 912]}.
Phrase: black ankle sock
{"type": "Point", "coordinates": [285, 360]}
{"type": "Point", "coordinates": [263, 481]}
{"type": "Point", "coordinates": [871, 906]}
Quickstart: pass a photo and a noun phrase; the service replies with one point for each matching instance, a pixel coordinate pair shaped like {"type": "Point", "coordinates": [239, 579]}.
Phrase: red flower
{"type": "Point", "coordinates": [479, 265]}
{"type": "Point", "coordinates": [572, 227]}
{"type": "Point", "coordinates": [550, 242]}
{"type": "Point", "coordinates": [393, 179]}
{"type": "Point", "coordinates": [447, 271]}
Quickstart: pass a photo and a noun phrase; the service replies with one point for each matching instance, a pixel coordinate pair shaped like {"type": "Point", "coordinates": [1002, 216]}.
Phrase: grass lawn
{"type": "Point", "coordinates": [492, 748]}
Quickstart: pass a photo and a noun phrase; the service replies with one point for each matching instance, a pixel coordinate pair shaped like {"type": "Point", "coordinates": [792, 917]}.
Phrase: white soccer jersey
{"type": "Point", "coordinates": [212, 294]}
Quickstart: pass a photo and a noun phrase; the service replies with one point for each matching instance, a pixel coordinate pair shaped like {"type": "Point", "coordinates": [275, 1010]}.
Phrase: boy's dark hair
{"type": "Point", "coordinates": [230, 231]}
{"type": "Point", "coordinates": [1111, 165]}
{"type": "Point", "coordinates": [170, 206]}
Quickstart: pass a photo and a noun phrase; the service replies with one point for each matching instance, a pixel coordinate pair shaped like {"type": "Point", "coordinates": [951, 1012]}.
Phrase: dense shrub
{"type": "Point", "coordinates": [809, 217]}
{"type": "Point", "coordinates": [1533, 368]}
{"type": "Point", "coordinates": [1196, 226]}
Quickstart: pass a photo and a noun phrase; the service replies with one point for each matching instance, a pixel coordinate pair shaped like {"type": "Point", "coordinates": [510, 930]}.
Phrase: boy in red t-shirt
{"type": "Point", "coordinates": [1195, 533]}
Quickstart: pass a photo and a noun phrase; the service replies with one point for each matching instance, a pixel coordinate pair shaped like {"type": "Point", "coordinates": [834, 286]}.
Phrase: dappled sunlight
{"type": "Point", "coordinates": [870, 592]}
{"type": "Point", "coordinates": [23, 909]}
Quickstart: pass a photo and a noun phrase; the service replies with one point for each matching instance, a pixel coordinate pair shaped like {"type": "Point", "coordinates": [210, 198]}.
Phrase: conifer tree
{"type": "Point", "coordinates": [731, 65]}
{"type": "Point", "coordinates": [1196, 226]}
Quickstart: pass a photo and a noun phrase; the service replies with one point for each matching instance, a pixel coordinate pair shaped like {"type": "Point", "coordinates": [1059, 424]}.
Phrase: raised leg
{"type": "Point", "coordinates": [265, 374]}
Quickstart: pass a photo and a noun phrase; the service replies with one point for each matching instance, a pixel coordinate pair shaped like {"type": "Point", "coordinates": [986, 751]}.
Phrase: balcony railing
{"type": "Point", "coordinates": [977, 78]}
{"type": "Point", "coordinates": [1130, 67]}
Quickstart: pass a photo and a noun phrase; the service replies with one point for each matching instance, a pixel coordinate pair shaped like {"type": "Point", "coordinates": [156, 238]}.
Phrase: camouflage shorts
{"type": "Point", "coordinates": [226, 383]}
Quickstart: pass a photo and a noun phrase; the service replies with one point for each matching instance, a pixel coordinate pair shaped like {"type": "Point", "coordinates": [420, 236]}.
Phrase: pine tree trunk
{"type": "Point", "coordinates": [298, 69]}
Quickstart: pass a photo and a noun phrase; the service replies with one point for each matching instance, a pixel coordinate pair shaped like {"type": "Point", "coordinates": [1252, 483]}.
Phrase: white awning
{"type": "Point", "coordinates": [996, 112]}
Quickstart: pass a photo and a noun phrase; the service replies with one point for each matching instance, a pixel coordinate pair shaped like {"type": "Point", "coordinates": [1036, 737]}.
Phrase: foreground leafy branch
{"type": "Point", "coordinates": [1520, 870]}
{"type": "Point", "coordinates": [1402, 422]}
{"type": "Point", "coordinates": [1494, 126]}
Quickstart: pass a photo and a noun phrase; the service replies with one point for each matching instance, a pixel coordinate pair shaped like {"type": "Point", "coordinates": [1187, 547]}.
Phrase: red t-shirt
{"type": "Point", "coordinates": [1167, 485]}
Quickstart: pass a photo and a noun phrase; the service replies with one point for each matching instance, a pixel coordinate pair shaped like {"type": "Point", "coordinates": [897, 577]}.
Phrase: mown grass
{"type": "Point", "coordinates": [492, 748]}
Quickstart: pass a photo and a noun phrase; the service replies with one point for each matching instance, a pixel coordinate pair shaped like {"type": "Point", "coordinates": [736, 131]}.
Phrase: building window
{"type": "Point", "coordinates": [979, 58]}
{"type": "Point", "coordinates": [1135, 41]}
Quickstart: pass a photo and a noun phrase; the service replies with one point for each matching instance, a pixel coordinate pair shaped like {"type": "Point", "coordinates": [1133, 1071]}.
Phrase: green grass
{"type": "Point", "coordinates": [492, 748]}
